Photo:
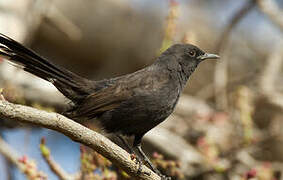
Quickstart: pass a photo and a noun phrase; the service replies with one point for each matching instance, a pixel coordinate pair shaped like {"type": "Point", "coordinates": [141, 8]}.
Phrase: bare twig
{"type": "Point", "coordinates": [10, 154]}
{"type": "Point", "coordinates": [77, 133]}
{"type": "Point", "coordinates": [269, 75]}
{"type": "Point", "coordinates": [64, 24]}
{"type": "Point", "coordinates": [274, 62]}
{"type": "Point", "coordinates": [270, 8]}
{"type": "Point", "coordinates": [26, 166]}
{"type": "Point", "coordinates": [235, 19]}
{"type": "Point", "coordinates": [221, 72]}
{"type": "Point", "coordinates": [56, 168]}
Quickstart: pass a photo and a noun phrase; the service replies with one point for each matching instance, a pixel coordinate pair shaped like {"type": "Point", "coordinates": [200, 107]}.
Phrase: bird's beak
{"type": "Point", "coordinates": [208, 56]}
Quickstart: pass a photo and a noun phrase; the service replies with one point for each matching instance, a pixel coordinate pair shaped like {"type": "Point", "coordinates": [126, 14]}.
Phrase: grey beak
{"type": "Point", "coordinates": [208, 56]}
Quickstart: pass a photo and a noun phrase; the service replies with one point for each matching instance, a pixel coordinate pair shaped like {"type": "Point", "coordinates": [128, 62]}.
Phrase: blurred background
{"type": "Point", "coordinates": [227, 124]}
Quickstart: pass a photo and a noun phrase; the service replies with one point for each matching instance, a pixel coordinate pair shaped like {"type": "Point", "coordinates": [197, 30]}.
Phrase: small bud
{"type": "Point", "coordinates": [173, 3]}
{"type": "Point", "coordinates": [251, 174]}
{"type": "Point", "coordinates": [43, 148]}
{"type": "Point", "coordinates": [155, 155]}
{"type": "Point", "coordinates": [267, 165]}
{"type": "Point", "coordinates": [178, 164]}
{"type": "Point", "coordinates": [23, 159]}
{"type": "Point", "coordinates": [133, 156]}
{"type": "Point", "coordinates": [82, 149]}
{"type": "Point", "coordinates": [43, 141]}
{"type": "Point", "coordinates": [201, 142]}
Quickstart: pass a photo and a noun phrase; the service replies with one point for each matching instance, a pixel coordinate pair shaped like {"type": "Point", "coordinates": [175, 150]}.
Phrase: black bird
{"type": "Point", "coordinates": [128, 105]}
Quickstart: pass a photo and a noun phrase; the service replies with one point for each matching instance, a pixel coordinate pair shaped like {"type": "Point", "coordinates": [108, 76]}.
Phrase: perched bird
{"type": "Point", "coordinates": [128, 105]}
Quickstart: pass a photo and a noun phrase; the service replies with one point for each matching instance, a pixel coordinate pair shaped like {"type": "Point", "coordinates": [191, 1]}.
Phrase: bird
{"type": "Point", "coordinates": [127, 105]}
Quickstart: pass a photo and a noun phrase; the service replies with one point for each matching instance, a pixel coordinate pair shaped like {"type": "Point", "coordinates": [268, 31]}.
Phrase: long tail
{"type": "Point", "coordinates": [69, 84]}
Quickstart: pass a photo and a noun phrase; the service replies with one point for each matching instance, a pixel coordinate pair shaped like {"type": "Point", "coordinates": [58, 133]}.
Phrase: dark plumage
{"type": "Point", "coordinates": [131, 104]}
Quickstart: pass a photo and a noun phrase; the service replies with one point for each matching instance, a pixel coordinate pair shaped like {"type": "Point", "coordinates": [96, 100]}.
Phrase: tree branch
{"type": "Point", "coordinates": [271, 71]}
{"type": "Point", "coordinates": [26, 166]}
{"type": "Point", "coordinates": [10, 154]}
{"type": "Point", "coordinates": [55, 168]}
{"type": "Point", "coordinates": [269, 8]}
{"type": "Point", "coordinates": [221, 72]}
{"type": "Point", "coordinates": [78, 133]}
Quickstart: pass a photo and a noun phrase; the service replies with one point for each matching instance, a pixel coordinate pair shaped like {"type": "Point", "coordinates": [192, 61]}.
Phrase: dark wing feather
{"type": "Point", "coordinates": [101, 101]}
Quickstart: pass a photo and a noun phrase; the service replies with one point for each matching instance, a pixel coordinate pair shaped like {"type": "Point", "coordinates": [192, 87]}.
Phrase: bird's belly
{"type": "Point", "coordinates": [139, 115]}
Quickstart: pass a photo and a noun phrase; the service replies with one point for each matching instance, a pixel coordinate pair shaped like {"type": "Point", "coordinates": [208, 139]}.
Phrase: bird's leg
{"type": "Point", "coordinates": [137, 145]}
{"type": "Point", "coordinates": [131, 151]}
{"type": "Point", "coordinates": [152, 167]}
{"type": "Point", "coordinates": [146, 159]}
{"type": "Point", "coordinates": [129, 148]}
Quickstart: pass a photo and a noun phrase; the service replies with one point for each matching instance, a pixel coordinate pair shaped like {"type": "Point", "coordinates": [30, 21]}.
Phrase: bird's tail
{"type": "Point", "coordinates": [69, 84]}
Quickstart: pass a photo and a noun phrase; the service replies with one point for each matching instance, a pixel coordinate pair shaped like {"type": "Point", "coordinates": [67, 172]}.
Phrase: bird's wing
{"type": "Point", "coordinates": [120, 91]}
{"type": "Point", "coordinates": [101, 101]}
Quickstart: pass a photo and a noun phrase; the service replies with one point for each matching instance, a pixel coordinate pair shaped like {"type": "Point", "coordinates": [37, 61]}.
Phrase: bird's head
{"type": "Point", "coordinates": [190, 53]}
{"type": "Point", "coordinates": [188, 56]}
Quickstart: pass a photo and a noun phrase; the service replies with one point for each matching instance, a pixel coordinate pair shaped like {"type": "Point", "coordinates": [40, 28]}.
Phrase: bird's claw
{"type": "Point", "coordinates": [140, 163]}
{"type": "Point", "coordinates": [163, 177]}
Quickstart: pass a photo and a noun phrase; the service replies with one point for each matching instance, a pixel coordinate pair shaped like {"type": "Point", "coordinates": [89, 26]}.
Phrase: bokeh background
{"type": "Point", "coordinates": [227, 124]}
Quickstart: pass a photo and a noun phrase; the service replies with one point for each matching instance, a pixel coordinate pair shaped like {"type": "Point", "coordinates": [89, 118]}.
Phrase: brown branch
{"type": "Point", "coordinates": [78, 133]}
{"type": "Point", "coordinates": [270, 8]}
{"type": "Point", "coordinates": [221, 72]}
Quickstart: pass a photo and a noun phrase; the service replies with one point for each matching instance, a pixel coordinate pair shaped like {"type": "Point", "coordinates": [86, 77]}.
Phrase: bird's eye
{"type": "Point", "coordinates": [192, 53]}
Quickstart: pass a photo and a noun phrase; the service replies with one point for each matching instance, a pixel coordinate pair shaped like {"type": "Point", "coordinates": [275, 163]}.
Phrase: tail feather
{"type": "Point", "coordinates": [71, 85]}
{"type": "Point", "coordinates": [15, 49]}
{"type": "Point", "coordinates": [4, 52]}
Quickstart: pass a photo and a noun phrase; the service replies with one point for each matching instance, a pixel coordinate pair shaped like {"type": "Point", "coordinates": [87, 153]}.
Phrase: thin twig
{"type": "Point", "coordinates": [270, 73]}
{"type": "Point", "coordinates": [56, 168]}
{"type": "Point", "coordinates": [270, 8]}
{"type": "Point", "coordinates": [235, 19]}
{"type": "Point", "coordinates": [10, 154]}
{"type": "Point", "coordinates": [63, 23]}
{"type": "Point", "coordinates": [26, 166]}
{"type": "Point", "coordinates": [221, 72]}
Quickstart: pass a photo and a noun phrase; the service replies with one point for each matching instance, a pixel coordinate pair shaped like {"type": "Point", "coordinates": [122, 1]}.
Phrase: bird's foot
{"type": "Point", "coordinates": [140, 163]}
{"type": "Point", "coordinates": [164, 177]}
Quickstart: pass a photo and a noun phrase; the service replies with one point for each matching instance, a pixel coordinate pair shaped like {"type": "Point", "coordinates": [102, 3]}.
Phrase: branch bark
{"type": "Point", "coordinates": [78, 133]}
